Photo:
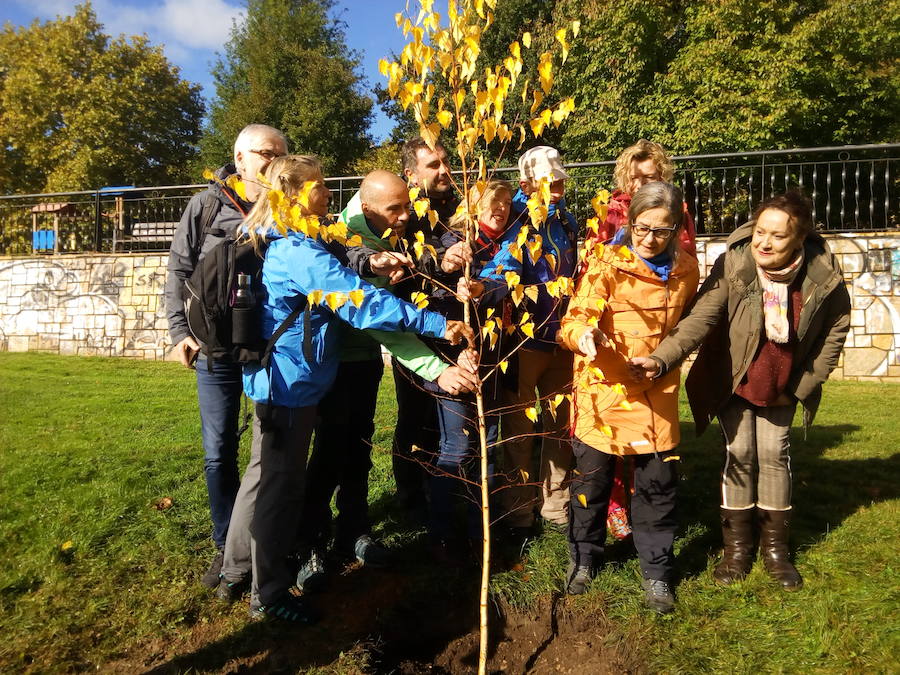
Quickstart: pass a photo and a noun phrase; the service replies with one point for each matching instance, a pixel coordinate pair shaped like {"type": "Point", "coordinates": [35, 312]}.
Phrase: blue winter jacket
{"type": "Point", "coordinates": [558, 256]}
{"type": "Point", "coordinates": [295, 266]}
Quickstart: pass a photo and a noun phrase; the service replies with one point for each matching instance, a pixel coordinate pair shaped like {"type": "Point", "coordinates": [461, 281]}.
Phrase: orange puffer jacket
{"type": "Point", "coordinates": [635, 309]}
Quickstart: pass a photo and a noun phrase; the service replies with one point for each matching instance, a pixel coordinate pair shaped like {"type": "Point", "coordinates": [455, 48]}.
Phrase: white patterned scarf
{"type": "Point", "coordinates": [775, 284]}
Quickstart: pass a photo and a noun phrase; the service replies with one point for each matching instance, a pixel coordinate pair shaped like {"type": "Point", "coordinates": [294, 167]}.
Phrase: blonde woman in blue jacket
{"type": "Point", "coordinates": [301, 370]}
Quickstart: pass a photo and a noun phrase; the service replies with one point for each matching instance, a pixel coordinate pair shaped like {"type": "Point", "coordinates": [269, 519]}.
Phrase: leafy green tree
{"type": "Point", "coordinates": [80, 110]}
{"type": "Point", "coordinates": [287, 65]}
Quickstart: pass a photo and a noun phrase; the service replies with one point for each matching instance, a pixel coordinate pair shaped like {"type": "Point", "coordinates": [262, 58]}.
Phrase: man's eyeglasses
{"type": "Point", "coordinates": [268, 155]}
{"type": "Point", "coordinates": [661, 233]}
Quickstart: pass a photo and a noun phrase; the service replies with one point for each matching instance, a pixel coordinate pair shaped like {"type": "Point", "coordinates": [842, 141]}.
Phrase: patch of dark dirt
{"type": "Point", "coordinates": [393, 622]}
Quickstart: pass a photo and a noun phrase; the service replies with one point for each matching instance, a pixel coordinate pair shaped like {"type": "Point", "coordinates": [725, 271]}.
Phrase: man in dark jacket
{"type": "Point", "coordinates": [210, 216]}
{"type": "Point", "coordinates": [417, 426]}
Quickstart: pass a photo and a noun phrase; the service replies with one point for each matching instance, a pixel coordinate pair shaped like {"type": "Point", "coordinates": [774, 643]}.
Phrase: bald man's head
{"type": "Point", "coordinates": [385, 201]}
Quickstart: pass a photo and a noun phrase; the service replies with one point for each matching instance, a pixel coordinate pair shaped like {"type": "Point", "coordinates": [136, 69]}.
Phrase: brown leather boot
{"type": "Point", "coordinates": [774, 527]}
{"type": "Point", "coordinates": [737, 535]}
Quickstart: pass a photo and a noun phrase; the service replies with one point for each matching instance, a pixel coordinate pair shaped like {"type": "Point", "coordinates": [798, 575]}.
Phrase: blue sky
{"type": "Point", "coordinates": [192, 31]}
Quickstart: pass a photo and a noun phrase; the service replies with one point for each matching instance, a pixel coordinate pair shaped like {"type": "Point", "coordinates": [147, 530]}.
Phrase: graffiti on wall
{"type": "Point", "coordinates": [102, 306]}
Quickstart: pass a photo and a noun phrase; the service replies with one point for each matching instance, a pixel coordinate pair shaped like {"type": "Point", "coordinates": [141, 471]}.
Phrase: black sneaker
{"type": "Point", "coordinates": [210, 578]}
{"type": "Point", "coordinates": [658, 596]}
{"type": "Point", "coordinates": [313, 576]}
{"type": "Point", "coordinates": [578, 578]}
{"type": "Point", "coordinates": [287, 608]}
{"type": "Point", "coordinates": [231, 591]}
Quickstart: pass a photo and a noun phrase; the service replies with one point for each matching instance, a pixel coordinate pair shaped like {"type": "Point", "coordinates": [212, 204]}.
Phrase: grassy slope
{"type": "Point", "coordinates": [87, 447]}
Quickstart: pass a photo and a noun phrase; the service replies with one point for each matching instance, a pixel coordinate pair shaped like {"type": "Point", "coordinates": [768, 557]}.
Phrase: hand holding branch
{"type": "Point", "coordinates": [458, 330]}
{"type": "Point", "coordinates": [390, 264]}
{"type": "Point", "coordinates": [642, 367]}
{"type": "Point", "coordinates": [587, 343]}
{"type": "Point", "coordinates": [456, 257]}
{"type": "Point", "coordinates": [469, 289]}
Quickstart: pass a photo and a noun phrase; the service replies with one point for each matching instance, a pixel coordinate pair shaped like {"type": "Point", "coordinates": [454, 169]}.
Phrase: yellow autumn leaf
{"type": "Point", "coordinates": [531, 292]}
{"type": "Point", "coordinates": [545, 71]}
{"type": "Point", "coordinates": [625, 405]}
{"type": "Point", "coordinates": [601, 304]}
{"type": "Point", "coordinates": [512, 279]}
{"type": "Point", "coordinates": [524, 475]}
{"type": "Point", "coordinates": [561, 37]}
{"type": "Point", "coordinates": [526, 40]}
{"type": "Point", "coordinates": [528, 329]}
{"type": "Point", "coordinates": [504, 365]}
{"type": "Point", "coordinates": [335, 300]}
{"type": "Point", "coordinates": [517, 294]}
{"type": "Point", "coordinates": [606, 430]}
{"type": "Point", "coordinates": [444, 117]}
{"type": "Point", "coordinates": [531, 413]}
{"type": "Point", "coordinates": [582, 500]}
{"type": "Point", "coordinates": [625, 253]}
{"type": "Point", "coordinates": [357, 296]}
{"type": "Point", "coordinates": [596, 372]}
{"type": "Point", "coordinates": [576, 27]}
{"type": "Point", "coordinates": [67, 546]}
{"type": "Point", "coordinates": [420, 300]}
{"type": "Point", "coordinates": [538, 99]}
{"type": "Point", "coordinates": [414, 193]}
{"type": "Point", "coordinates": [490, 312]}
{"type": "Point", "coordinates": [237, 185]}
{"type": "Point", "coordinates": [354, 241]}
{"type": "Point", "coordinates": [209, 175]}
{"type": "Point", "coordinates": [619, 389]}
{"type": "Point", "coordinates": [314, 297]}
{"type": "Point", "coordinates": [432, 218]}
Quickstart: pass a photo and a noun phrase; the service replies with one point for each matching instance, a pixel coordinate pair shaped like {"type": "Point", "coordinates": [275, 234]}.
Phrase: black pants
{"type": "Point", "coordinates": [416, 425]}
{"type": "Point", "coordinates": [341, 457]}
{"type": "Point", "coordinates": [653, 518]}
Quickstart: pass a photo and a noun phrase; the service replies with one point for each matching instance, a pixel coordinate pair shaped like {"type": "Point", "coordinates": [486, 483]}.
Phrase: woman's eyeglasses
{"type": "Point", "coordinates": [661, 233]}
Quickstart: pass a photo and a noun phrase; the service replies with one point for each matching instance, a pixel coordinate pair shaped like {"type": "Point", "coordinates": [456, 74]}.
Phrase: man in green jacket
{"type": "Point", "coordinates": [378, 214]}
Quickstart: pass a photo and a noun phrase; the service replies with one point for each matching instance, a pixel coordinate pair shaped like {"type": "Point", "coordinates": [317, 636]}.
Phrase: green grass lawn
{"type": "Point", "coordinates": [92, 570]}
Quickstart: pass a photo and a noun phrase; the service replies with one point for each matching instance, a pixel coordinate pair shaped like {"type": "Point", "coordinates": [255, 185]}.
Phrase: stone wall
{"type": "Point", "coordinates": [84, 304]}
{"type": "Point", "coordinates": [113, 305]}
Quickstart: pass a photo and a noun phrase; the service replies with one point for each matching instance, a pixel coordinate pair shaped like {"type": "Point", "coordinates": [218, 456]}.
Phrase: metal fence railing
{"type": "Point", "coordinates": [853, 188]}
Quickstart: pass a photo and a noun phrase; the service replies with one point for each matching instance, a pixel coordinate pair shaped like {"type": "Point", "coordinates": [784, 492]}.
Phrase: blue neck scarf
{"type": "Point", "coordinates": [660, 264]}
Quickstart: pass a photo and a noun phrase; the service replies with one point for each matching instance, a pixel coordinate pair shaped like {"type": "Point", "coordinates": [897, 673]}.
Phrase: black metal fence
{"type": "Point", "coordinates": [853, 188]}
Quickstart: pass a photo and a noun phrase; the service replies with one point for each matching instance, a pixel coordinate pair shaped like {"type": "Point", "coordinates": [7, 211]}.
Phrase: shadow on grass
{"type": "Point", "coordinates": [825, 490]}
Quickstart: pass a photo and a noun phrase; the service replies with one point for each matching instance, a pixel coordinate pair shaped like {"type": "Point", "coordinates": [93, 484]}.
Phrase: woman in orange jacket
{"type": "Point", "coordinates": [626, 302]}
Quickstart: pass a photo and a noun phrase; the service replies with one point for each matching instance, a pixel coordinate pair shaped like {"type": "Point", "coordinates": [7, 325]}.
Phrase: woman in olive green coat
{"type": "Point", "coordinates": [772, 317]}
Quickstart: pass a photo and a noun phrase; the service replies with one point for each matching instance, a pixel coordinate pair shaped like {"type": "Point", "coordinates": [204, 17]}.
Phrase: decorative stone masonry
{"type": "Point", "coordinates": [113, 305]}
{"type": "Point", "coordinates": [84, 304]}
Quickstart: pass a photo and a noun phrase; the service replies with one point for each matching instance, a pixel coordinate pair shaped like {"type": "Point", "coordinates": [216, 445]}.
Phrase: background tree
{"type": "Point", "coordinates": [80, 110]}
{"type": "Point", "coordinates": [287, 65]}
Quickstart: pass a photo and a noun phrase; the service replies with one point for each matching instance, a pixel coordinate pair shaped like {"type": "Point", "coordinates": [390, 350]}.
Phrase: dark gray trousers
{"type": "Point", "coordinates": [267, 511]}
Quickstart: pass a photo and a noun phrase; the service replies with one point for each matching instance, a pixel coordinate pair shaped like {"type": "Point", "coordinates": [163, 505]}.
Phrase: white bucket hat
{"type": "Point", "coordinates": [541, 162]}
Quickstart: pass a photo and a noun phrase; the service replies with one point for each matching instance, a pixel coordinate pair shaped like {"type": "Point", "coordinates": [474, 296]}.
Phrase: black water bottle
{"type": "Point", "coordinates": [244, 329]}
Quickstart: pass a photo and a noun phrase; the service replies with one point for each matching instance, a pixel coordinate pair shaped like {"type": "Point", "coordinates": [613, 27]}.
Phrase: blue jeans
{"type": "Point", "coordinates": [458, 459]}
{"type": "Point", "coordinates": [219, 394]}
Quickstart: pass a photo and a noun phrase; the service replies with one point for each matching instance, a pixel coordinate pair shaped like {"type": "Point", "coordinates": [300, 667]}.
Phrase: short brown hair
{"type": "Point", "coordinates": [798, 207]}
{"type": "Point", "coordinates": [639, 152]}
{"type": "Point", "coordinates": [410, 152]}
{"type": "Point", "coordinates": [653, 196]}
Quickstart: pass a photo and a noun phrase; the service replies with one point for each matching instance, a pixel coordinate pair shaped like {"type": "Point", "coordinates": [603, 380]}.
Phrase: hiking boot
{"type": "Point", "coordinates": [231, 591]}
{"type": "Point", "coordinates": [578, 578]}
{"type": "Point", "coordinates": [313, 576]}
{"type": "Point", "coordinates": [773, 547]}
{"type": "Point", "coordinates": [371, 554]}
{"type": "Point", "coordinates": [287, 608]}
{"type": "Point", "coordinates": [210, 578]}
{"type": "Point", "coordinates": [658, 595]}
{"type": "Point", "coordinates": [737, 535]}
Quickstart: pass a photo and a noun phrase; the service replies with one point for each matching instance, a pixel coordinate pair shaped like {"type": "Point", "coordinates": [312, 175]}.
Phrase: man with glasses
{"type": "Point", "coordinates": [210, 216]}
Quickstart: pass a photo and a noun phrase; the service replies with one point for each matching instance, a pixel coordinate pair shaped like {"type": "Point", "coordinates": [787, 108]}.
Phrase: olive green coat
{"type": "Point", "coordinates": [726, 318]}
